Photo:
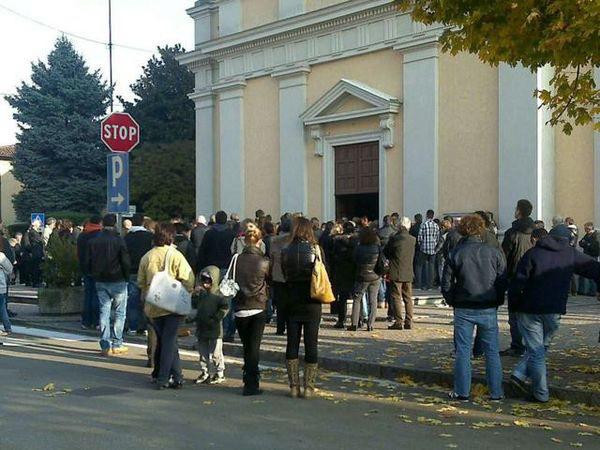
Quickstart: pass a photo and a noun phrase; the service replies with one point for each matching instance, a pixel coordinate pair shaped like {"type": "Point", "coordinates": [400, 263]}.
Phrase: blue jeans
{"type": "Point", "coordinates": [109, 295]}
{"type": "Point", "coordinates": [166, 356]}
{"type": "Point", "coordinates": [134, 311]}
{"type": "Point", "coordinates": [538, 331]}
{"type": "Point", "coordinates": [425, 268]}
{"type": "Point", "coordinates": [4, 313]}
{"type": "Point", "coordinates": [587, 287]}
{"type": "Point", "coordinates": [91, 306]}
{"type": "Point", "coordinates": [486, 321]}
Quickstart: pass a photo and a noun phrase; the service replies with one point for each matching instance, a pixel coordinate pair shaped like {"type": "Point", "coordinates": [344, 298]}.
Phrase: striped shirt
{"type": "Point", "coordinates": [429, 234]}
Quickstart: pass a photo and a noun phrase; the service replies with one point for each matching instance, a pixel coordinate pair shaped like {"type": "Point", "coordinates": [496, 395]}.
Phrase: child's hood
{"type": "Point", "coordinates": [215, 274]}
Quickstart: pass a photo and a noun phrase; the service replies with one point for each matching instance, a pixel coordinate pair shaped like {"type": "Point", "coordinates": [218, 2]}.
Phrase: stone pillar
{"type": "Point", "coordinates": [421, 139]}
{"type": "Point", "coordinates": [231, 123]}
{"type": "Point", "coordinates": [205, 22]}
{"type": "Point", "coordinates": [292, 145]}
{"type": "Point", "coordinates": [205, 152]}
{"type": "Point", "coordinates": [230, 17]}
{"type": "Point", "coordinates": [289, 8]}
{"type": "Point", "coordinates": [526, 145]}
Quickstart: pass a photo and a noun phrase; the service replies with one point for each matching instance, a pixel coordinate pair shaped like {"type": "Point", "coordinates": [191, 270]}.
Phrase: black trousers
{"type": "Point", "coordinates": [311, 340]}
{"type": "Point", "coordinates": [279, 302]}
{"type": "Point", "coordinates": [166, 355]}
{"type": "Point", "coordinates": [342, 304]}
{"type": "Point", "coordinates": [251, 331]}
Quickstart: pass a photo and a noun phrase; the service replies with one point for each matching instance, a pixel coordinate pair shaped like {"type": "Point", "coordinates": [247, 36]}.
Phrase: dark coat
{"type": "Point", "coordinates": [212, 308]}
{"type": "Point", "coordinates": [251, 274]}
{"type": "Point", "coordinates": [216, 247]}
{"type": "Point", "coordinates": [542, 280]}
{"type": "Point", "coordinates": [198, 236]}
{"type": "Point", "coordinates": [400, 251]}
{"type": "Point", "coordinates": [590, 244]}
{"type": "Point", "coordinates": [343, 262]}
{"type": "Point", "coordinates": [453, 237]}
{"type": "Point", "coordinates": [138, 243]}
{"type": "Point", "coordinates": [517, 240]}
{"type": "Point", "coordinates": [298, 260]}
{"type": "Point", "coordinates": [365, 259]}
{"type": "Point", "coordinates": [107, 258]}
{"type": "Point", "coordinates": [186, 247]}
{"type": "Point", "coordinates": [474, 276]}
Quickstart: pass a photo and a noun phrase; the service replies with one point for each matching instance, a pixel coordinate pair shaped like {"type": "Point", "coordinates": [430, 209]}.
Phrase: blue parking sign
{"type": "Point", "coordinates": [117, 182]}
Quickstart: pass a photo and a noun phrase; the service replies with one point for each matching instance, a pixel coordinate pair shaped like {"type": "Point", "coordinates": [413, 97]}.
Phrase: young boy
{"type": "Point", "coordinates": [212, 308]}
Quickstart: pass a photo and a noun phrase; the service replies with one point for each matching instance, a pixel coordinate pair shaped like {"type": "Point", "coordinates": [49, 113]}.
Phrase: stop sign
{"type": "Point", "coordinates": [120, 132]}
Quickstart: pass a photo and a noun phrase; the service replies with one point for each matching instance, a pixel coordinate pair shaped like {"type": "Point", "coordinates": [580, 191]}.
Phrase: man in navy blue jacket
{"type": "Point", "coordinates": [538, 294]}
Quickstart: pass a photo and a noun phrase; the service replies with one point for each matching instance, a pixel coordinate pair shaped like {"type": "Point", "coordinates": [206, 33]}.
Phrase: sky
{"type": "Point", "coordinates": [144, 24]}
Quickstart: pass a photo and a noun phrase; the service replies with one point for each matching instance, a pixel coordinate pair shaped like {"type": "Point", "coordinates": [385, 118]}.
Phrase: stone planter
{"type": "Point", "coordinates": [58, 301]}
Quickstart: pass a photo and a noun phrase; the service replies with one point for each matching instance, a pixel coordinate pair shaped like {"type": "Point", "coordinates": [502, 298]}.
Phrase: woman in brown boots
{"type": "Point", "coordinates": [303, 313]}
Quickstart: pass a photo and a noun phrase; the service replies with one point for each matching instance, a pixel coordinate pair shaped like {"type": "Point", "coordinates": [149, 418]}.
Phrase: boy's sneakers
{"type": "Point", "coordinates": [202, 378]}
{"type": "Point", "coordinates": [217, 379]}
{"type": "Point", "coordinates": [119, 350]}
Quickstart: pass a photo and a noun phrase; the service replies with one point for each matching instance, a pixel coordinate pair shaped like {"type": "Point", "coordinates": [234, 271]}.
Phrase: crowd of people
{"type": "Point", "coordinates": [374, 268]}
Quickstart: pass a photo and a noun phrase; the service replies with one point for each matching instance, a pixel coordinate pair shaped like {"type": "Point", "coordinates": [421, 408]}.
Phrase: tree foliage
{"type": "Point", "coordinates": [562, 33]}
{"type": "Point", "coordinates": [163, 167]}
{"type": "Point", "coordinates": [162, 107]}
{"type": "Point", "coordinates": [59, 159]}
{"type": "Point", "coordinates": [164, 179]}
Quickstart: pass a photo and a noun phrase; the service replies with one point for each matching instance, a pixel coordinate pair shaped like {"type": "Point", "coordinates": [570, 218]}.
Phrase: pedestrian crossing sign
{"type": "Point", "coordinates": [38, 219]}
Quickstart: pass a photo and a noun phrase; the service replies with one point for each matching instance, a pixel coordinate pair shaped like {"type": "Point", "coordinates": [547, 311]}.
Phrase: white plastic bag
{"type": "Point", "coordinates": [228, 286]}
{"type": "Point", "coordinates": [168, 293]}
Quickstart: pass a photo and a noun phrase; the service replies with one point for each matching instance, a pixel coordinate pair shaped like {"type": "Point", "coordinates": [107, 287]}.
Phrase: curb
{"type": "Point", "coordinates": [364, 369]}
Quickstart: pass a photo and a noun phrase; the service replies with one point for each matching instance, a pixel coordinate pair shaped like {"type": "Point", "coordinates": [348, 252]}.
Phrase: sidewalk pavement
{"type": "Point", "coordinates": [421, 355]}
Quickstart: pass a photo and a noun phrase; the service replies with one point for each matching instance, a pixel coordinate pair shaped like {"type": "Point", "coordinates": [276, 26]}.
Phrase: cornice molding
{"type": "Point", "coordinates": [293, 27]}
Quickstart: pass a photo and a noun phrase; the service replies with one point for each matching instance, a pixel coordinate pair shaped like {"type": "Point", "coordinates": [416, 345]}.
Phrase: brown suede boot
{"type": "Point", "coordinates": [293, 371]}
{"type": "Point", "coordinates": [310, 378]}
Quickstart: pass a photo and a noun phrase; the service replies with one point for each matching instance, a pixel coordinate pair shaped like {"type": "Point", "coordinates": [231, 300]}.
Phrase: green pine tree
{"type": "Point", "coordinates": [163, 168]}
{"type": "Point", "coordinates": [59, 158]}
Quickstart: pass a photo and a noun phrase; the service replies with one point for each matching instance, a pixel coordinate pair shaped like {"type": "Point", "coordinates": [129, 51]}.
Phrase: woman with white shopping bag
{"type": "Point", "coordinates": [166, 281]}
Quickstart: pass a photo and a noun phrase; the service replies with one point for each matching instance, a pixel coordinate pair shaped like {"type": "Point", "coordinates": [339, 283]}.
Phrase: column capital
{"type": "Point", "coordinates": [419, 51]}
{"type": "Point", "coordinates": [203, 99]}
{"type": "Point", "coordinates": [292, 76]}
{"type": "Point", "coordinates": [230, 89]}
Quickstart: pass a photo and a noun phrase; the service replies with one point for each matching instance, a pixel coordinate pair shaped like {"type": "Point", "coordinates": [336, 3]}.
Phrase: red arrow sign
{"type": "Point", "coordinates": [120, 132]}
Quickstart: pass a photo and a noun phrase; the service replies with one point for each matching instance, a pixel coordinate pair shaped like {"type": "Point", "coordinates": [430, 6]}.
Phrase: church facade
{"type": "Point", "coordinates": [347, 107]}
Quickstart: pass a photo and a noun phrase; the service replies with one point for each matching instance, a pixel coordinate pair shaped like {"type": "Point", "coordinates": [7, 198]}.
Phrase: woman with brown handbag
{"type": "Point", "coordinates": [303, 312]}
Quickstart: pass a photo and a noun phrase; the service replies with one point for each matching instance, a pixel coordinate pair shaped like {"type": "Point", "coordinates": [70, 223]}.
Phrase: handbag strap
{"type": "Point", "coordinates": [166, 267]}
{"type": "Point", "coordinates": [234, 262]}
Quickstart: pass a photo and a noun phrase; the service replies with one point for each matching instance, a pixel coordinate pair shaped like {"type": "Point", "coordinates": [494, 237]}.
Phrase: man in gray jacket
{"type": "Point", "coordinates": [400, 252]}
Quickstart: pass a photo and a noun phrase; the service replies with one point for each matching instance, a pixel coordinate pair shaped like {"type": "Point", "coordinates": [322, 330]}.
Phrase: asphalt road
{"type": "Point", "coordinates": [109, 403]}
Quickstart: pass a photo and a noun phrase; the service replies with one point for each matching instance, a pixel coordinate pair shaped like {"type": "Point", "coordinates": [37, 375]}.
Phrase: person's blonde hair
{"type": "Point", "coordinates": [252, 236]}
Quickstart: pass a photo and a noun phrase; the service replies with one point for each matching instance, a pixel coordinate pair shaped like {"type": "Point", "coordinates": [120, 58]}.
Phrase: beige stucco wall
{"type": "Point", "coordinates": [312, 5]}
{"type": "Point", "coordinates": [468, 134]}
{"type": "Point", "coordinates": [381, 70]}
{"type": "Point", "coordinates": [261, 122]}
{"type": "Point", "coordinates": [259, 12]}
{"type": "Point", "coordinates": [574, 182]}
{"type": "Point", "coordinates": [9, 186]}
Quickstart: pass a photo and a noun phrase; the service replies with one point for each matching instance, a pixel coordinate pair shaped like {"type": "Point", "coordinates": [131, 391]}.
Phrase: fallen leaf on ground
{"type": "Point", "coordinates": [208, 402]}
{"type": "Point", "coordinates": [49, 387]}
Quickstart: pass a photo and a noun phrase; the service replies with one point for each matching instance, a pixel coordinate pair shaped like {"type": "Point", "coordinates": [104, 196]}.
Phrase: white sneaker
{"type": "Point", "coordinates": [217, 379]}
{"type": "Point", "coordinates": [202, 378]}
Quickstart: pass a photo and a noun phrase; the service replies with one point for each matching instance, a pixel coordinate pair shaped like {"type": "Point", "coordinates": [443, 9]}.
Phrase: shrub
{"type": "Point", "coordinates": [61, 267]}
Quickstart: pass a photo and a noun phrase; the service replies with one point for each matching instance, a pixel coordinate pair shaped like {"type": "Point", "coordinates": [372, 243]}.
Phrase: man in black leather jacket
{"type": "Point", "coordinates": [109, 263]}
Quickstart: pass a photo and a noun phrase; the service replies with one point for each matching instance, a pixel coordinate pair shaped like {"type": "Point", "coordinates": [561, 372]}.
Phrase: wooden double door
{"type": "Point", "coordinates": [357, 180]}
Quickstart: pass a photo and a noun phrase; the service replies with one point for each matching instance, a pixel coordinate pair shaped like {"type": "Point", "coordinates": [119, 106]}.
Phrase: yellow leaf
{"type": "Point", "coordinates": [558, 441]}
{"type": "Point", "coordinates": [575, 444]}
{"type": "Point", "coordinates": [49, 387]}
{"type": "Point", "coordinates": [445, 435]}
{"type": "Point", "coordinates": [522, 423]}
{"type": "Point", "coordinates": [208, 402]}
